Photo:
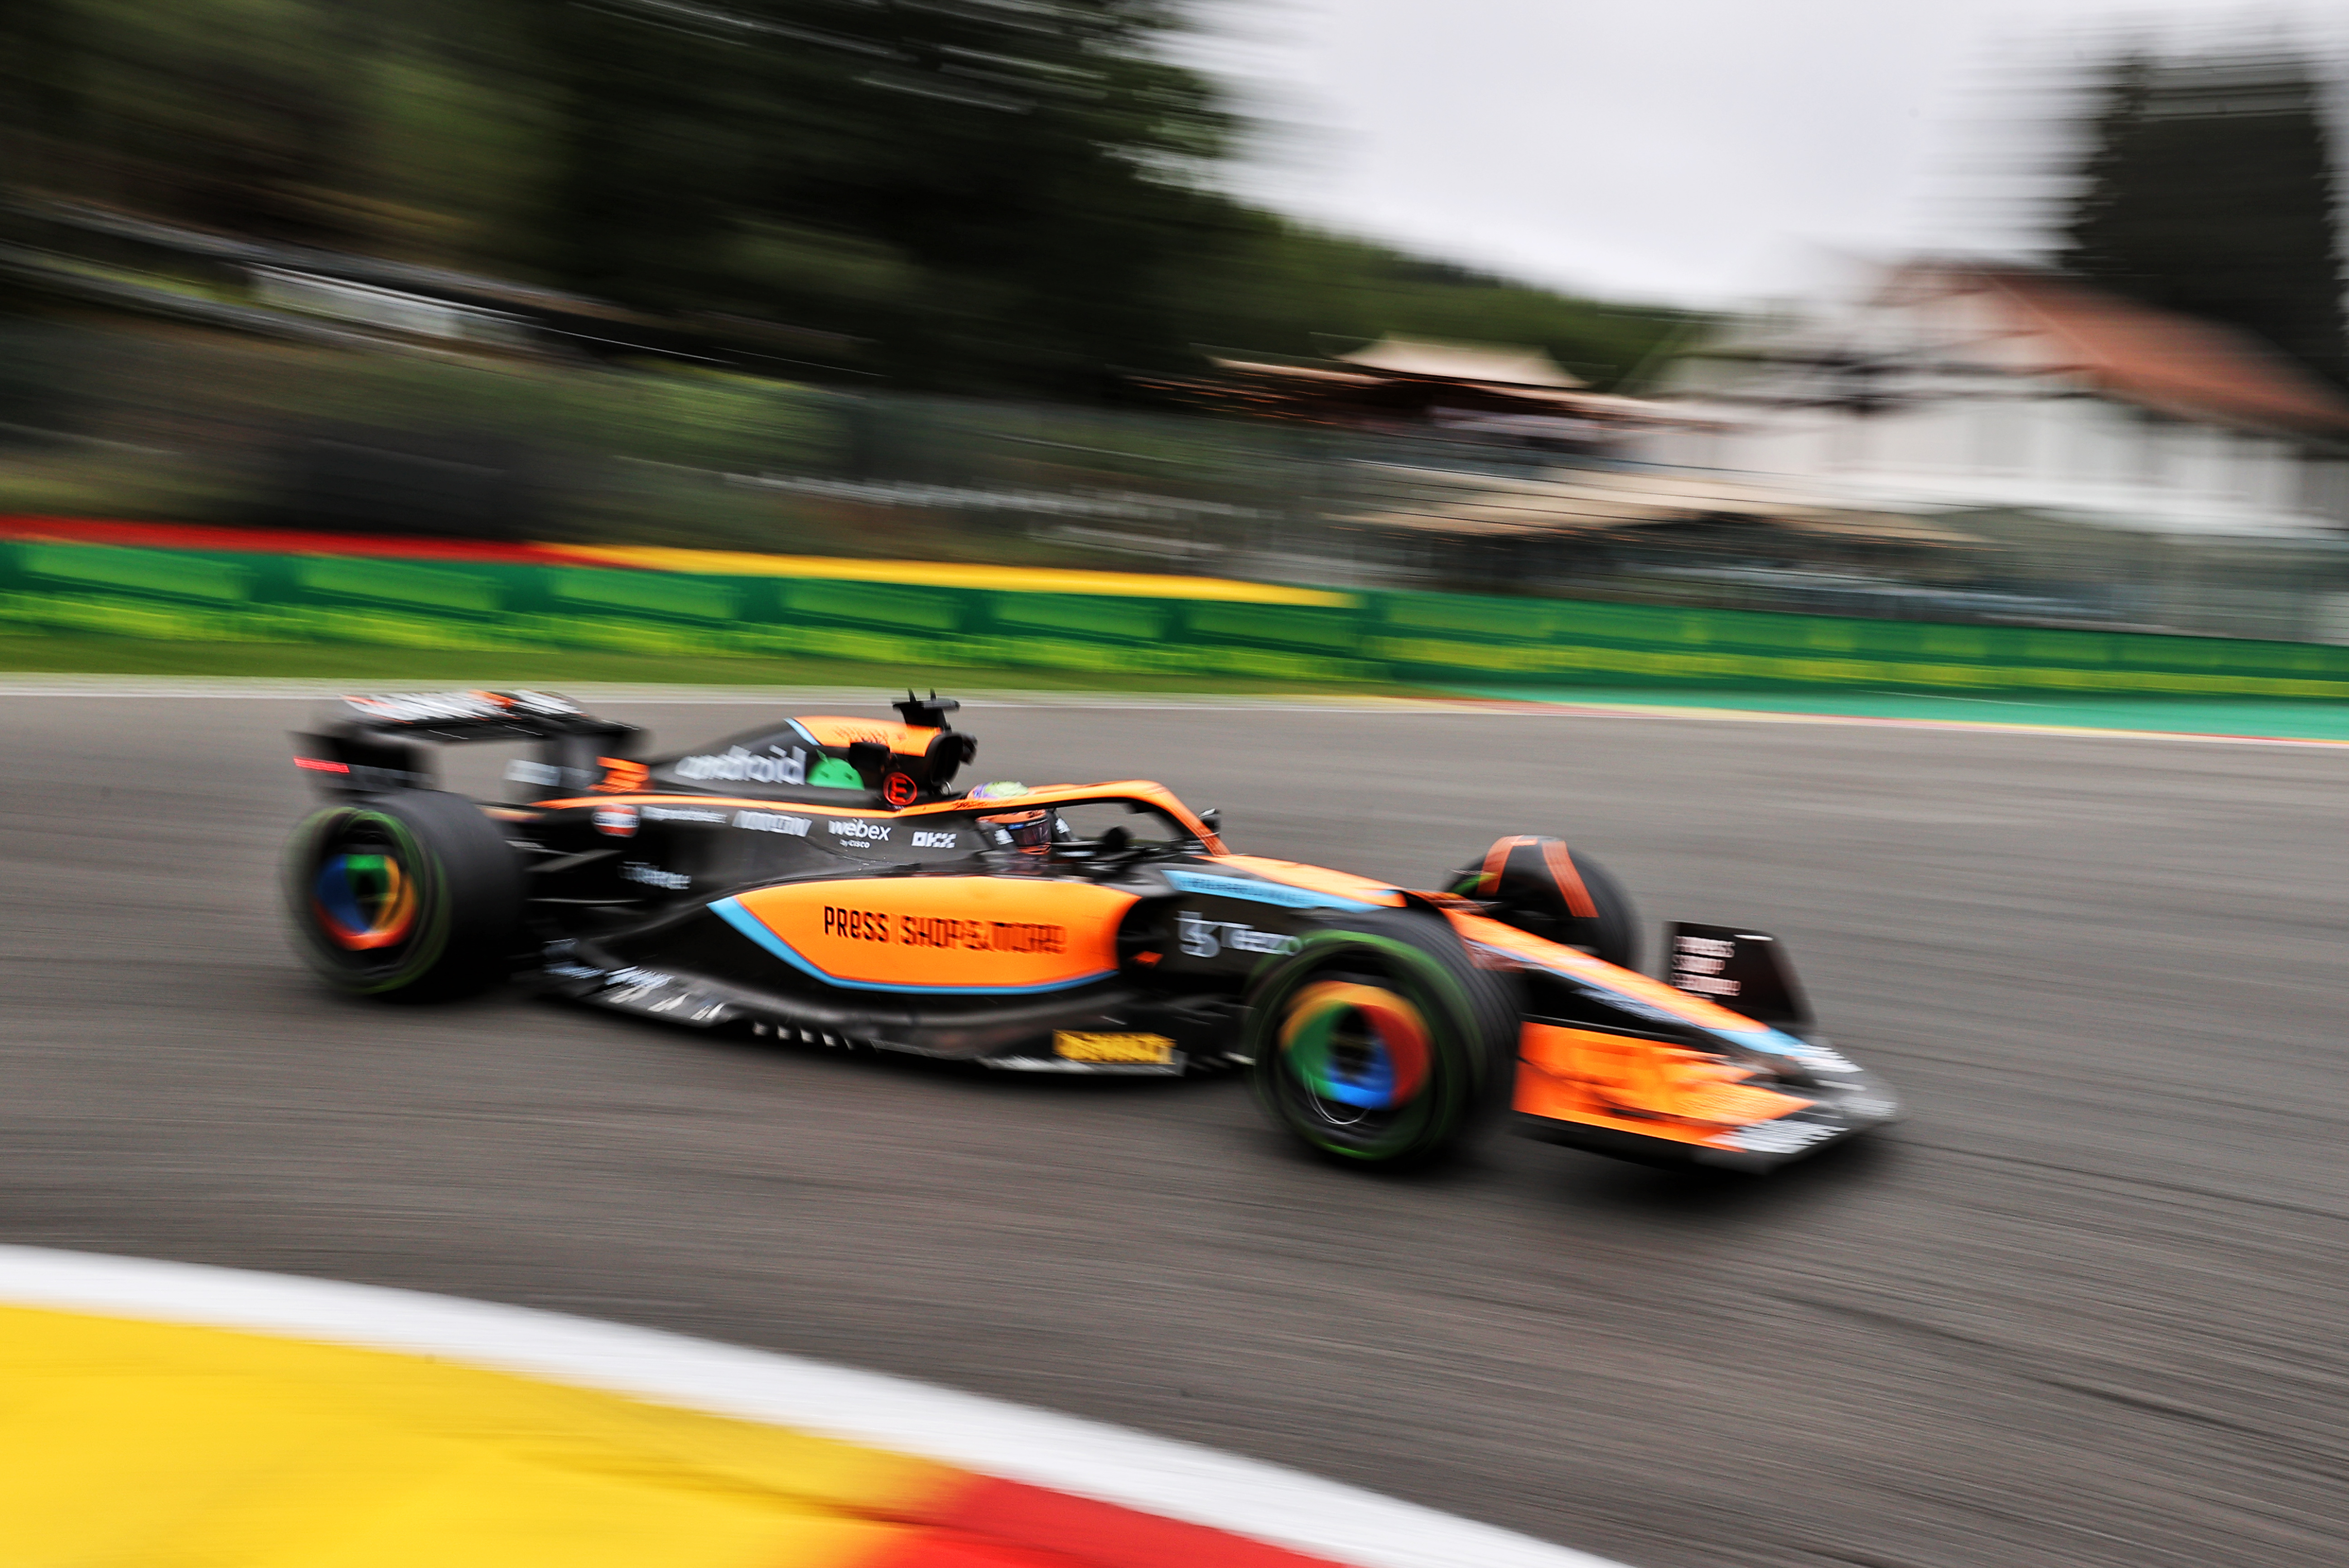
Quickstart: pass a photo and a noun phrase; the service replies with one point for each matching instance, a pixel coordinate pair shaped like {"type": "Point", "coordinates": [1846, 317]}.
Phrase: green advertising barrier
{"type": "Point", "coordinates": [1196, 628]}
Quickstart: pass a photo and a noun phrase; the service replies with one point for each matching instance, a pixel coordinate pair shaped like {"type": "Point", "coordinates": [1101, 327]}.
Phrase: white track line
{"type": "Point", "coordinates": [1110, 1464]}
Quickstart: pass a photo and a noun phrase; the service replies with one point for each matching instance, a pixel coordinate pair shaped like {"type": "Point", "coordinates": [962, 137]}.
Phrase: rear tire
{"type": "Point", "coordinates": [1379, 1042]}
{"type": "Point", "coordinates": [414, 896]}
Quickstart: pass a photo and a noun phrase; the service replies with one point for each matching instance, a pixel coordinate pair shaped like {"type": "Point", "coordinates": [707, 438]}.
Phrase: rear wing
{"type": "Point", "coordinates": [368, 745]}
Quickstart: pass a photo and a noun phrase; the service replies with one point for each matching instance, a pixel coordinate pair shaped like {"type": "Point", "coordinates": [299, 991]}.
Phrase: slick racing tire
{"type": "Point", "coordinates": [1538, 885]}
{"type": "Point", "coordinates": [414, 896]}
{"type": "Point", "coordinates": [1616, 936]}
{"type": "Point", "coordinates": [1379, 1042]}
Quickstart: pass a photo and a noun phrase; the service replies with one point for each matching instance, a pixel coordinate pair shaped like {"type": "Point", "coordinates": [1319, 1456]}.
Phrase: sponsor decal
{"type": "Point", "coordinates": [1697, 963]}
{"type": "Point", "coordinates": [982, 936]}
{"type": "Point", "coordinates": [621, 777]}
{"type": "Point", "coordinates": [1125, 1050]}
{"type": "Point", "coordinates": [931, 840]}
{"type": "Point", "coordinates": [1257, 892]}
{"type": "Point", "coordinates": [1204, 939]}
{"type": "Point", "coordinates": [421, 707]}
{"type": "Point", "coordinates": [542, 702]}
{"type": "Point", "coordinates": [849, 731]}
{"type": "Point", "coordinates": [683, 813]}
{"type": "Point", "coordinates": [321, 765]}
{"type": "Point", "coordinates": [856, 925]}
{"type": "Point", "coordinates": [772, 821]}
{"type": "Point", "coordinates": [737, 765]}
{"type": "Point", "coordinates": [661, 995]}
{"type": "Point", "coordinates": [1777, 1138]}
{"type": "Point", "coordinates": [945, 932]}
{"type": "Point", "coordinates": [962, 935]}
{"type": "Point", "coordinates": [871, 832]}
{"type": "Point", "coordinates": [1818, 1058]}
{"type": "Point", "coordinates": [521, 770]}
{"type": "Point", "coordinates": [654, 877]}
{"type": "Point", "coordinates": [615, 821]}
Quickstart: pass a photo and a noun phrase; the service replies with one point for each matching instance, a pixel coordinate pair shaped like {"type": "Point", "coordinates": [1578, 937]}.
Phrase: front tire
{"type": "Point", "coordinates": [414, 895]}
{"type": "Point", "coordinates": [1379, 1042]}
{"type": "Point", "coordinates": [1614, 936]}
{"type": "Point", "coordinates": [1541, 886]}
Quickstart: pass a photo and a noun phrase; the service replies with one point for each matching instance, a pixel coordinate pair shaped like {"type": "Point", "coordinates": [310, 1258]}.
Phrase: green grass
{"type": "Point", "coordinates": [64, 653]}
{"type": "Point", "coordinates": [2302, 719]}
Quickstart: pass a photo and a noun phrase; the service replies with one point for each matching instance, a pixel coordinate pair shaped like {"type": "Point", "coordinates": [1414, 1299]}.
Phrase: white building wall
{"type": "Point", "coordinates": [2005, 435]}
{"type": "Point", "coordinates": [2263, 472]}
{"type": "Point", "coordinates": [2195, 462]}
{"type": "Point", "coordinates": [2098, 442]}
{"type": "Point", "coordinates": [1912, 439]}
{"type": "Point", "coordinates": [2322, 488]}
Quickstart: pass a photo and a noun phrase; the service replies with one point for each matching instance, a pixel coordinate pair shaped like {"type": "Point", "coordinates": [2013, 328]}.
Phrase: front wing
{"type": "Point", "coordinates": [1672, 1077]}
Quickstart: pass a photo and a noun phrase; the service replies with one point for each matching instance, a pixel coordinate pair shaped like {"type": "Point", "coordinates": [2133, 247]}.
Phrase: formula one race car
{"type": "Point", "coordinates": [821, 880]}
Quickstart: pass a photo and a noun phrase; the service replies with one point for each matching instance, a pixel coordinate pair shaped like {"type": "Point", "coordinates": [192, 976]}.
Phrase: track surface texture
{"type": "Point", "coordinates": [2084, 1307]}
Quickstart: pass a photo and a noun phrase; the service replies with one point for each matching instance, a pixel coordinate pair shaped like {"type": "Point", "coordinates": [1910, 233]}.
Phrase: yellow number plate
{"type": "Point", "coordinates": [1149, 1050]}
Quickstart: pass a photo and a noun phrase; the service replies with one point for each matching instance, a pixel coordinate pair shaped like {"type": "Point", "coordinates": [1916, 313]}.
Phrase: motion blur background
{"type": "Point", "coordinates": [422, 341]}
{"type": "Point", "coordinates": [2026, 318]}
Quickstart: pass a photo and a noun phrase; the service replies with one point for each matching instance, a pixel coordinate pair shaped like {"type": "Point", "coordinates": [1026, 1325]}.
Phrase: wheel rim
{"type": "Point", "coordinates": [1357, 1052]}
{"type": "Point", "coordinates": [364, 897]}
{"type": "Point", "coordinates": [1354, 1048]}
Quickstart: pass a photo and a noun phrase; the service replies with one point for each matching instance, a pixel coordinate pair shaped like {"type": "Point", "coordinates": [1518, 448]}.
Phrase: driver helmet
{"type": "Point", "coordinates": [1031, 832]}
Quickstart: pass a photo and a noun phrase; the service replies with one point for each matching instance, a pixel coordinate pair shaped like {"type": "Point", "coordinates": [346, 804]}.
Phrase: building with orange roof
{"type": "Point", "coordinates": [1973, 385]}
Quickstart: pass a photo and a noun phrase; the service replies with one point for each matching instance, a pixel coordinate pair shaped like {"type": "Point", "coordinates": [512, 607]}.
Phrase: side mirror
{"type": "Point", "coordinates": [1212, 820]}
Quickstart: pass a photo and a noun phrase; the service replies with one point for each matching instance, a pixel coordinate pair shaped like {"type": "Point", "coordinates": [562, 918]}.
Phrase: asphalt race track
{"type": "Point", "coordinates": [2086, 1306]}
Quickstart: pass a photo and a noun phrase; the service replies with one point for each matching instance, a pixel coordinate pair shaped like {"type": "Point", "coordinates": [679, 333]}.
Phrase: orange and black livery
{"type": "Point", "coordinates": [832, 881]}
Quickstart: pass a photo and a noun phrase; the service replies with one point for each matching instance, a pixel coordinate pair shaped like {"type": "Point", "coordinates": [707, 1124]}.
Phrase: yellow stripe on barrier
{"type": "Point", "coordinates": [953, 575]}
{"type": "Point", "coordinates": [134, 1442]}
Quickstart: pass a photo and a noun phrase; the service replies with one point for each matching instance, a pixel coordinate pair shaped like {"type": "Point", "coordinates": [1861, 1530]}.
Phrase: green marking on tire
{"type": "Point", "coordinates": [1418, 965]}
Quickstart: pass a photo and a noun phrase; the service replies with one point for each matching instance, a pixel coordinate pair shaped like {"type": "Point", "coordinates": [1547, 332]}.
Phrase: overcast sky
{"type": "Point", "coordinates": [1698, 151]}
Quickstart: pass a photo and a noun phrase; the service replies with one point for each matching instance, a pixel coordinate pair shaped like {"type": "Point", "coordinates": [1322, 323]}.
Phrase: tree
{"type": "Point", "coordinates": [2208, 189]}
{"type": "Point", "coordinates": [986, 196]}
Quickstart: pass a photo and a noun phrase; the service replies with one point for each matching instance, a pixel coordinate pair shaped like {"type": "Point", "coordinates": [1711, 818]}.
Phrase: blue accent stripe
{"type": "Point", "coordinates": [1759, 1037]}
{"type": "Point", "coordinates": [732, 911]}
{"type": "Point", "coordinates": [1257, 892]}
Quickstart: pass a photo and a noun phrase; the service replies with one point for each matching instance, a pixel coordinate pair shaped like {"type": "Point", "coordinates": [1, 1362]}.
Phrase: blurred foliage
{"type": "Point", "coordinates": [988, 194]}
{"type": "Point", "coordinates": [2208, 189]}
{"type": "Point", "coordinates": [1289, 289]}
